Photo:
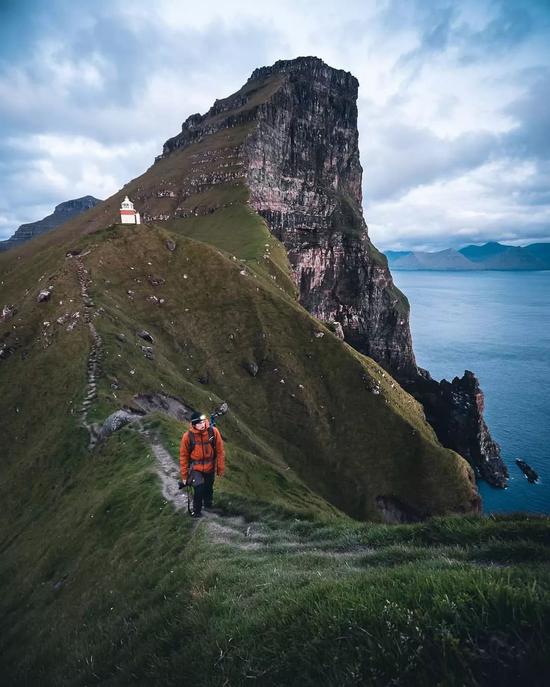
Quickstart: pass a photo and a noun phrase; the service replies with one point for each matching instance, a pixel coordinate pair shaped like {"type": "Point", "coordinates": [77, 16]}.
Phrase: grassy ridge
{"type": "Point", "coordinates": [311, 402]}
{"type": "Point", "coordinates": [103, 583]}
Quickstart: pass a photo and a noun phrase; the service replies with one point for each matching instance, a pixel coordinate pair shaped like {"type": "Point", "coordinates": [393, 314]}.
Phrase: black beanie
{"type": "Point", "coordinates": [196, 417]}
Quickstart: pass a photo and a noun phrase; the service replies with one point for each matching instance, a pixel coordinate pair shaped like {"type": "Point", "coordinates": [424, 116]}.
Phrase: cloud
{"type": "Point", "coordinates": [453, 111]}
{"type": "Point", "coordinates": [475, 207]}
{"type": "Point", "coordinates": [403, 156]}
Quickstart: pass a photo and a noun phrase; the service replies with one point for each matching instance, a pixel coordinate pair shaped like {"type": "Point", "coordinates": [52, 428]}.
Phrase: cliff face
{"type": "Point", "coordinates": [304, 176]}
{"type": "Point", "coordinates": [296, 147]}
{"type": "Point", "coordinates": [455, 411]}
{"type": "Point", "coordinates": [290, 134]}
{"type": "Point", "coordinates": [62, 213]}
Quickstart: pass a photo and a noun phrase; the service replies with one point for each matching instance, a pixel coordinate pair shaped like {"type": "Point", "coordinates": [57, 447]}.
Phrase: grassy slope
{"type": "Point", "coordinates": [113, 587]}
{"type": "Point", "coordinates": [111, 584]}
{"type": "Point", "coordinates": [214, 318]}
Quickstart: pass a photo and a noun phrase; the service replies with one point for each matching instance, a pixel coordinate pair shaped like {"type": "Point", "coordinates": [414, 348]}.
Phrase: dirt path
{"type": "Point", "coordinates": [221, 528]}
{"type": "Point", "coordinates": [235, 531]}
{"type": "Point", "coordinates": [94, 356]}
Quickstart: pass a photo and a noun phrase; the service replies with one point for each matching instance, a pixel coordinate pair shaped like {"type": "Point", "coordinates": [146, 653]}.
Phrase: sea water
{"type": "Point", "coordinates": [496, 324]}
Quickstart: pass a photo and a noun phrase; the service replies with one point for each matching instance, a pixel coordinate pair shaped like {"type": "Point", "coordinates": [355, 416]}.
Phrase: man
{"type": "Point", "coordinates": [201, 456]}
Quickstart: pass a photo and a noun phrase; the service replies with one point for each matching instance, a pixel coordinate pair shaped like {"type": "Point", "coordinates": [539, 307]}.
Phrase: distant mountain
{"type": "Point", "coordinates": [498, 256]}
{"type": "Point", "coordinates": [485, 252]}
{"type": "Point", "coordinates": [490, 256]}
{"type": "Point", "coordinates": [393, 255]}
{"type": "Point", "coordinates": [448, 259]}
{"type": "Point", "coordinates": [541, 251]}
{"type": "Point", "coordinates": [62, 213]}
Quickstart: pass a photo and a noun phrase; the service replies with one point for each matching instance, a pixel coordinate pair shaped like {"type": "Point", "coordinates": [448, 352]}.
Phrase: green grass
{"type": "Point", "coordinates": [129, 593]}
{"type": "Point", "coordinates": [416, 622]}
{"type": "Point", "coordinates": [106, 579]}
{"type": "Point", "coordinates": [213, 320]}
{"type": "Point", "coordinates": [103, 583]}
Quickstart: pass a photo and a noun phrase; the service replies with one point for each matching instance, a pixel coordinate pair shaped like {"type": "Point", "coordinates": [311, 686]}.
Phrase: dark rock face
{"type": "Point", "coordinates": [532, 476]}
{"type": "Point", "coordinates": [394, 511]}
{"type": "Point", "coordinates": [304, 176]}
{"type": "Point", "coordinates": [455, 410]}
{"type": "Point", "coordinates": [299, 158]}
{"type": "Point", "coordinates": [62, 213]}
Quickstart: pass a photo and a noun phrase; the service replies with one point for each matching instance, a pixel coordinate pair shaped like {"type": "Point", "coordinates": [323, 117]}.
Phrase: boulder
{"type": "Point", "coordinates": [338, 330]}
{"type": "Point", "coordinates": [251, 367]}
{"type": "Point", "coordinates": [44, 296]}
{"type": "Point", "coordinates": [5, 351]}
{"type": "Point", "coordinates": [144, 334]}
{"type": "Point", "coordinates": [8, 311]}
{"type": "Point", "coordinates": [532, 476]}
{"type": "Point", "coordinates": [148, 352]}
{"type": "Point", "coordinates": [116, 421]}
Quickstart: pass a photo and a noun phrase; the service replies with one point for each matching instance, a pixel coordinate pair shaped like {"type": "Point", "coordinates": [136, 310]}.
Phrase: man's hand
{"type": "Point", "coordinates": [182, 484]}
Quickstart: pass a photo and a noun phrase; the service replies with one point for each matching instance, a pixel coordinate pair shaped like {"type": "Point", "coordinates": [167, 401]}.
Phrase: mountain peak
{"type": "Point", "coordinates": [83, 203]}
{"type": "Point", "coordinates": [61, 214]}
{"type": "Point", "coordinates": [310, 65]}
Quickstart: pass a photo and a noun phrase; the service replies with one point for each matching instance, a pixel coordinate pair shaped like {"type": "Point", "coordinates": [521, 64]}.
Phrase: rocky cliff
{"type": "Point", "coordinates": [304, 175]}
{"type": "Point", "coordinates": [455, 411]}
{"type": "Point", "coordinates": [299, 157]}
{"type": "Point", "coordinates": [287, 143]}
{"type": "Point", "coordinates": [293, 138]}
{"type": "Point", "coordinates": [62, 213]}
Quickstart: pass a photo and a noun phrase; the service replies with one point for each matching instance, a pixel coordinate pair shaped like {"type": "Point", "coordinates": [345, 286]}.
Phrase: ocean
{"type": "Point", "coordinates": [496, 324]}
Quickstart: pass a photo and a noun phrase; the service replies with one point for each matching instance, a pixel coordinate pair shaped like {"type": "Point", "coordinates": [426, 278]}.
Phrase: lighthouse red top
{"type": "Point", "coordinates": [127, 207]}
{"type": "Point", "coordinates": [128, 215]}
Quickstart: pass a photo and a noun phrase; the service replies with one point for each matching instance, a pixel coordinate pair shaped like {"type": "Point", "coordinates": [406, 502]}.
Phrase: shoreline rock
{"type": "Point", "coordinates": [530, 474]}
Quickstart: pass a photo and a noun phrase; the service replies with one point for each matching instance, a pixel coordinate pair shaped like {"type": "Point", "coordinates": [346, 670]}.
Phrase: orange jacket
{"type": "Point", "coordinates": [203, 452]}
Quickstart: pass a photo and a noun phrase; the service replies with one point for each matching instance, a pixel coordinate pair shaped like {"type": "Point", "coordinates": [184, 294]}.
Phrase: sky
{"type": "Point", "coordinates": [454, 101]}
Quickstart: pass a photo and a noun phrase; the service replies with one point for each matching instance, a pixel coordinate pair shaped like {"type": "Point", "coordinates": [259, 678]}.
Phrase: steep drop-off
{"type": "Point", "coordinates": [300, 160]}
{"type": "Point", "coordinates": [287, 143]}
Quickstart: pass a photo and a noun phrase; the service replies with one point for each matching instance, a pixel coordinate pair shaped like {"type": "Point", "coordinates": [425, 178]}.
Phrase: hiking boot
{"type": "Point", "coordinates": [196, 515]}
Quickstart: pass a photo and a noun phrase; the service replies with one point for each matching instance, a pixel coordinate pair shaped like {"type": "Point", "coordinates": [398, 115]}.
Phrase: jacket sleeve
{"type": "Point", "coordinates": [184, 456]}
{"type": "Point", "coordinates": [220, 453]}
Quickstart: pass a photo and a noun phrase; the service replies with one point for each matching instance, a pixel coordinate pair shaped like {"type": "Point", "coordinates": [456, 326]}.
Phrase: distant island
{"type": "Point", "coordinates": [490, 256]}
{"type": "Point", "coordinates": [62, 213]}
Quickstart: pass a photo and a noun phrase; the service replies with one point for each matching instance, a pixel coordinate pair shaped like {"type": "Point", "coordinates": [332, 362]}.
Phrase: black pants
{"type": "Point", "coordinates": [204, 492]}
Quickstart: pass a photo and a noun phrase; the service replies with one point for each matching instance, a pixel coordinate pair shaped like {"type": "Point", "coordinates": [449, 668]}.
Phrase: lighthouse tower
{"type": "Point", "coordinates": [127, 213]}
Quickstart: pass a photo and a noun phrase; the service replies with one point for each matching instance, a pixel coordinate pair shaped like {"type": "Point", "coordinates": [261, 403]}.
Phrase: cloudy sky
{"type": "Point", "coordinates": [454, 101]}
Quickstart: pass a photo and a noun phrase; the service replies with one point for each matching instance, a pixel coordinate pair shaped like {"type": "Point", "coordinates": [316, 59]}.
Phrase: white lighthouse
{"type": "Point", "coordinates": [127, 213]}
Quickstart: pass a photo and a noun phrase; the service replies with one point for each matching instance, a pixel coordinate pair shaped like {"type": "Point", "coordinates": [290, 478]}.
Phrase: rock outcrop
{"type": "Point", "coordinates": [289, 139]}
{"type": "Point", "coordinates": [455, 410]}
{"type": "Point", "coordinates": [304, 175]}
{"type": "Point", "coordinates": [532, 476]}
{"type": "Point", "coordinates": [62, 213]}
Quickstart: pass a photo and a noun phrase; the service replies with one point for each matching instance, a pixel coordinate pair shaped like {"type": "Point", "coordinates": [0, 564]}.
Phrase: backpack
{"type": "Point", "coordinates": [211, 441]}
